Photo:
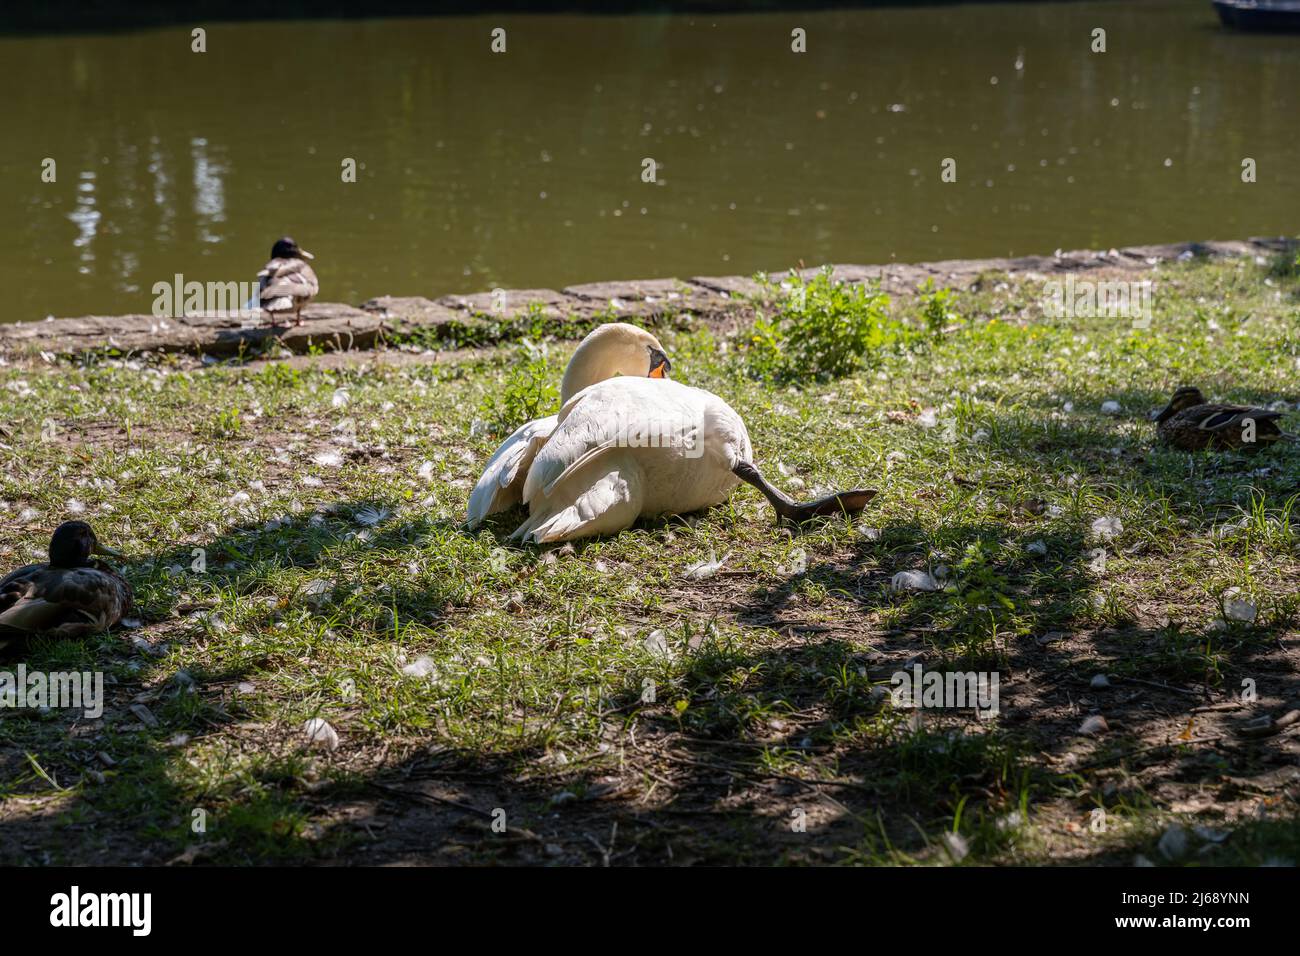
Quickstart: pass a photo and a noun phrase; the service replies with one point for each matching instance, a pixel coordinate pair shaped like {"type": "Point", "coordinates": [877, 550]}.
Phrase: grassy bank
{"type": "Point", "coordinates": [295, 545]}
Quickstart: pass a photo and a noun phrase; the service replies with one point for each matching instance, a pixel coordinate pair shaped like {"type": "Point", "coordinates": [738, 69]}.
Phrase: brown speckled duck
{"type": "Point", "coordinates": [287, 283]}
{"type": "Point", "coordinates": [1191, 423]}
{"type": "Point", "coordinates": [71, 596]}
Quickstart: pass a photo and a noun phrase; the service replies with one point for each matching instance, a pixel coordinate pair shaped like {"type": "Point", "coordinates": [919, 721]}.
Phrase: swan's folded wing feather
{"type": "Point", "coordinates": [608, 504]}
{"type": "Point", "coordinates": [583, 460]}
{"type": "Point", "coordinates": [501, 485]}
{"type": "Point", "coordinates": [639, 414]}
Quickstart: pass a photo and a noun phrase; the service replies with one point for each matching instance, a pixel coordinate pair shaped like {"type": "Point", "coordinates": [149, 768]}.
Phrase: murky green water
{"type": "Point", "coordinates": [524, 168]}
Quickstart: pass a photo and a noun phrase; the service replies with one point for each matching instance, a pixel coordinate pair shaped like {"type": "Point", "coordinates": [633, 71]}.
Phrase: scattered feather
{"type": "Point", "coordinates": [1095, 724]}
{"type": "Point", "coordinates": [1210, 834]}
{"type": "Point", "coordinates": [1106, 528]}
{"type": "Point", "coordinates": [656, 643]}
{"type": "Point", "coordinates": [320, 734]}
{"type": "Point", "coordinates": [1238, 608]}
{"type": "Point", "coordinates": [370, 516]}
{"type": "Point", "coordinates": [421, 667]}
{"type": "Point", "coordinates": [914, 581]}
{"type": "Point", "coordinates": [317, 590]}
{"type": "Point", "coordinates": [151, 650]}
{"type": "Point", "coordinates": [956, 845]}
{"type": "Point", "coordinates": [1173, 842]}
{"type": "Point", "coordinates": [703, 570]}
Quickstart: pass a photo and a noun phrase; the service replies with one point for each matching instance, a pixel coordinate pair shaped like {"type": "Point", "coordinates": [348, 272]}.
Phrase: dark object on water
{"type": "Point", "coordinates": [1259, 14]}
{"type": "Point", "coordinates": [71, 596]}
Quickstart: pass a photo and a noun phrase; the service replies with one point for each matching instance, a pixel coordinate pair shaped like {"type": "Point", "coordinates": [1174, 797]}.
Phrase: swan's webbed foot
{"type": "Point", "coordinates": [840, 503]}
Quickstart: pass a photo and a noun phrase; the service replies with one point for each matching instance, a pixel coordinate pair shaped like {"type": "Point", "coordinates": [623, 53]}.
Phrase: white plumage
{"type": "Point", "coordinates": [626, 443]}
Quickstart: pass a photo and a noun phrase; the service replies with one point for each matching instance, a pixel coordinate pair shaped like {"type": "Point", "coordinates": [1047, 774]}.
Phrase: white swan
{"type": "Point", "coordinates": [627, 442]}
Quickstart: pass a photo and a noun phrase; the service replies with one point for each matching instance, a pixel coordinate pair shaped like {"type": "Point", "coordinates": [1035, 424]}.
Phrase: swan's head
{"type": "Point", "coordinates": [614, 348]}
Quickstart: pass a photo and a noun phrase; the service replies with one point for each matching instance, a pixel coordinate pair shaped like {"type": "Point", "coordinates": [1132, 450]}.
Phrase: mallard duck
{"type": "Point", "coordinates": [628, 442]}
{"type": "Point", "coordinates": [1191, 423]}
{"type": "Point", "coordinates": [287, 283]}
{"type": "Point", "coordinates": [71, 596]}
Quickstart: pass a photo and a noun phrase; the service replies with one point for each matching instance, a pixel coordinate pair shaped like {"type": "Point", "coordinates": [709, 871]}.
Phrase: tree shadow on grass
{"type": "Point", "coordinates": [788, 754]}
{"type": "Point", "coordinates": [123, 767]}
{"type": "Point", "coordinates": [759, 729]}
{"type": "Point", "coordinates": [783, 751]}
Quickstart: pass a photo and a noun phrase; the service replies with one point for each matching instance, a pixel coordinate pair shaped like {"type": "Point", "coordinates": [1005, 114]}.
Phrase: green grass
{"type": "Point", "coordinates": [324, 506]}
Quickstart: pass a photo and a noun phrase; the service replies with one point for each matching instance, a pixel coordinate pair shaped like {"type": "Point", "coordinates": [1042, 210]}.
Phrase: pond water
{"type": "Point", "coordinates": [525, 168]}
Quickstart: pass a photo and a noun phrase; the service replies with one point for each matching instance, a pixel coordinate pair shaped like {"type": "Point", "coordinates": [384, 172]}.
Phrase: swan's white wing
{"type": "Point", "coordinates": [627, 447]}
{"type": "Point", "coordinates": [642, 414]}
{"type": "Point", "coordinates": [502, 483]}
{"type": "Point", "coordinates": [606, 503]}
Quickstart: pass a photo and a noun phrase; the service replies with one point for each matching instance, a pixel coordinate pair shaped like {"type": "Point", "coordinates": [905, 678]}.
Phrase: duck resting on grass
{"type": "Point", "coordinates": [71, 596]}
{"type": "Point", "coordinates": [628, 442]}
{"type": "Point", "coordinates": [1191, 423]}
{"type": "Point", "coordinates": [286, 283]}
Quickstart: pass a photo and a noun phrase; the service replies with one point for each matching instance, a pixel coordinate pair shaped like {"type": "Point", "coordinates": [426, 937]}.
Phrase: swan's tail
{"type": "Point", "coordinates": [843, 502]}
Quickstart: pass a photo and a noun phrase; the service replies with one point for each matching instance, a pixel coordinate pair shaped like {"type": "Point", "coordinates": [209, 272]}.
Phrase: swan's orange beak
{"type": "Point", "coordinates": [659, 364]}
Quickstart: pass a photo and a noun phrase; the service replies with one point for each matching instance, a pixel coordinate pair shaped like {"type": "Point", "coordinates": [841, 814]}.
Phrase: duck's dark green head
{"type": "Point", "coordinates": [286, 248]}
{"type": "Point", "coordinates": [1185, 397]}
{"type": "Point", "coordinates": [72, 544]}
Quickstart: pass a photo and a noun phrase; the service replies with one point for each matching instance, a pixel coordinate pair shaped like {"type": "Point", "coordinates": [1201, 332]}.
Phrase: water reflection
{"type": "Point", "coordinates": [209, 193]}
{"type": "Point", "coordinates": [86, 218]}
{"type": "Point", "coordinates": [524, 169]}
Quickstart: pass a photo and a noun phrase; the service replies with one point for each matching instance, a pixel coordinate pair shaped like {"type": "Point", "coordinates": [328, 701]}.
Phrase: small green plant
{"type": "Point", "coordinates": [278, 375]}
{"type": "Point", "coordinates": [1284, 265]}
{"type": "Point", "coordinates": [529, 391]}
{"type": "Point", "coordinates": [226, 425]}
{"type": "Point", "coordinates": [936, 306]}
{"type": "Point", "coordinates": [821, 329]}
